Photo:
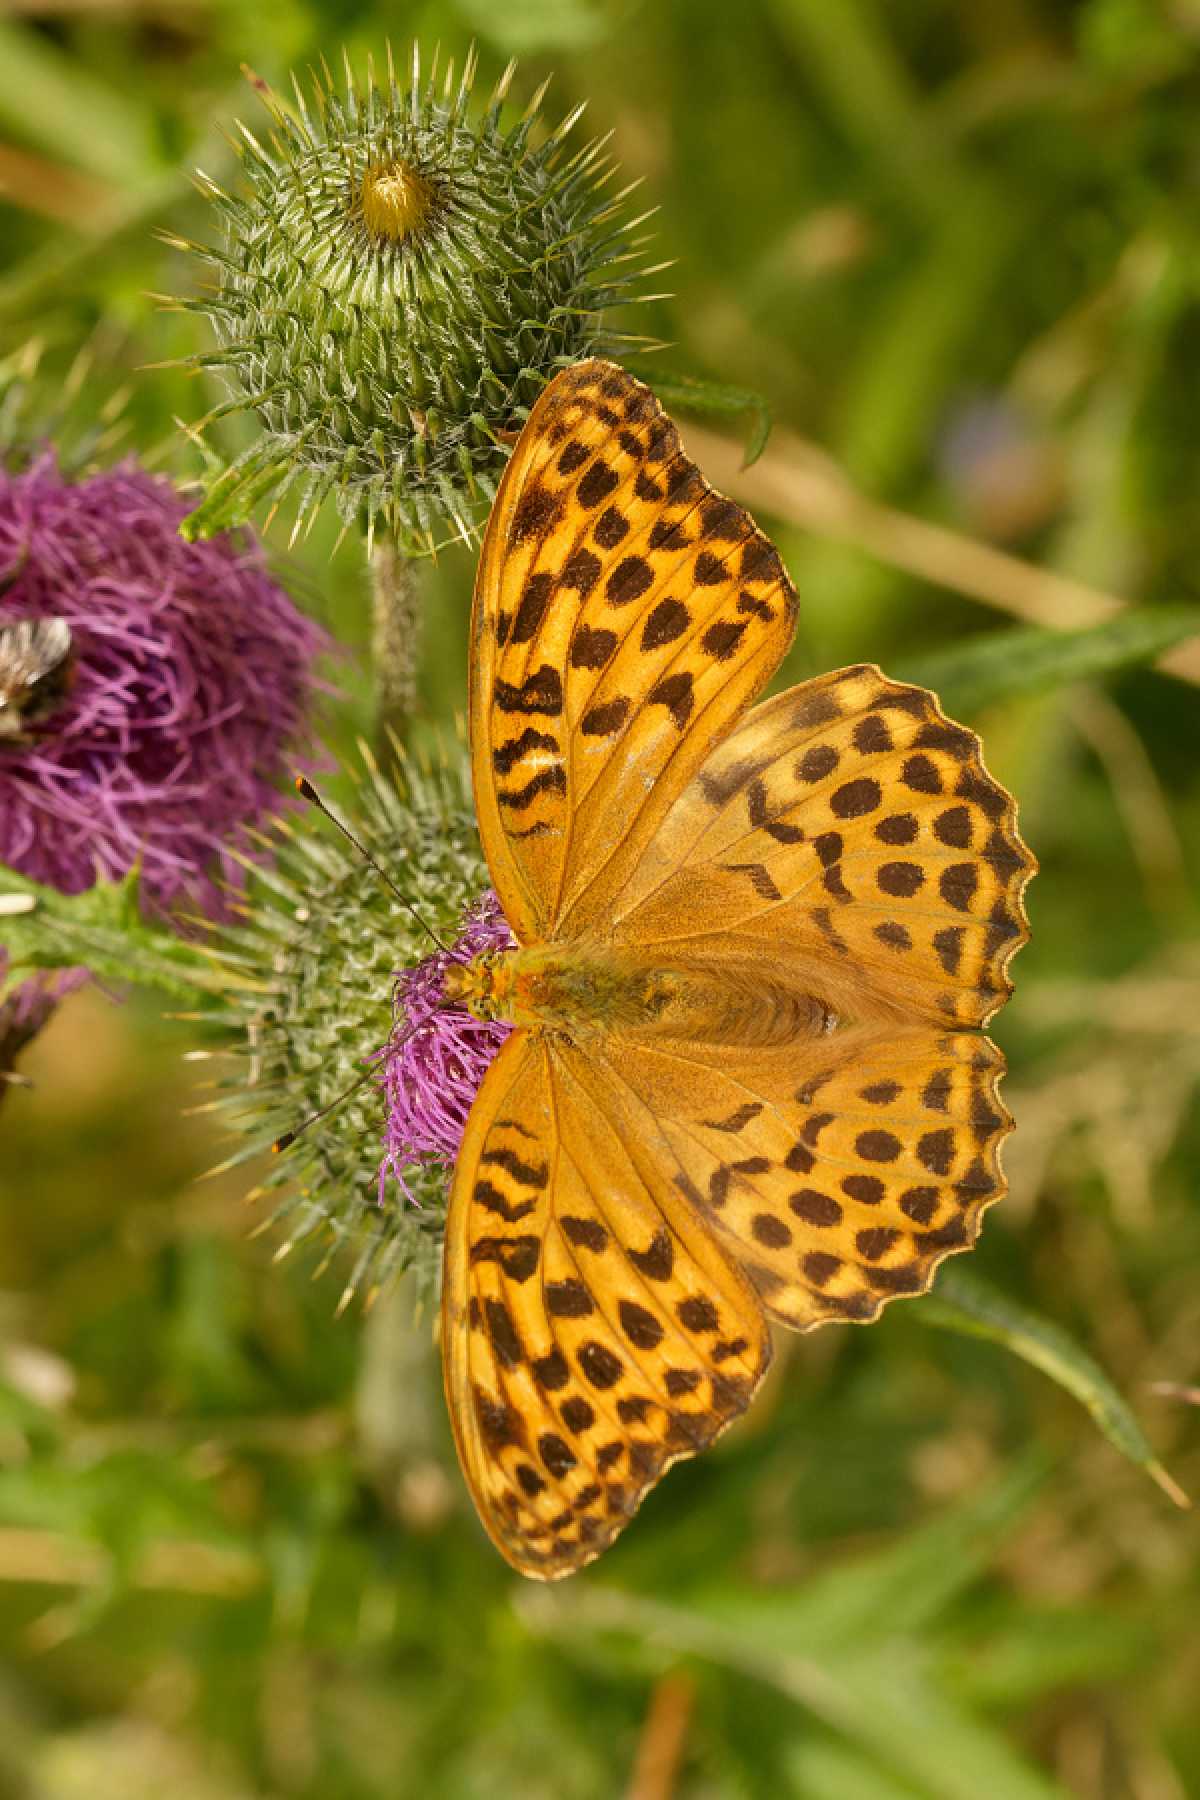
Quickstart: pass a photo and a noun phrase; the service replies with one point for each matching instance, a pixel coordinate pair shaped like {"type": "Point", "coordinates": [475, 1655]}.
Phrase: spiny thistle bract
{"type": "Point", "coordinates": [313, 973]}
{"type": "Point", "coordinates": [394, 290]}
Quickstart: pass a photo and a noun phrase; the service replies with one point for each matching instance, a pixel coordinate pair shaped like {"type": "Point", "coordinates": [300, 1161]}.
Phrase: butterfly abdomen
{"type": "Point", "coordinates": [589, 990]}
{"type": "Point", "coordinates": [736, 1004]}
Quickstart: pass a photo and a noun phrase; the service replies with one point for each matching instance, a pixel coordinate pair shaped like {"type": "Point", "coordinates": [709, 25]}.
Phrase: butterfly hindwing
{"type": "Point", "coordinates": [593, 1330]}
{"type": "Point", "coordinates": [624, 616]}
{"type": "Point", "coordinates": [846, 827]}
{"type": "Point", "coordinates": [838, 1172]}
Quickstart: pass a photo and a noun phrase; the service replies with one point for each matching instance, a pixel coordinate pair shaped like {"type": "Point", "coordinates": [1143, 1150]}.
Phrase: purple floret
{"type": "Point", "coordinates": [431, 1067]}
{"type": "Point", "coordinates": [193, 676]}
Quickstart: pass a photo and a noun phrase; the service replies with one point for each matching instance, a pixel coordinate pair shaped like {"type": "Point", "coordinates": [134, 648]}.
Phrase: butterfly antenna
{"type": "Point", "coordinates": [287, 1138]}
{"type": "Point", "coordinates": [305, 787]}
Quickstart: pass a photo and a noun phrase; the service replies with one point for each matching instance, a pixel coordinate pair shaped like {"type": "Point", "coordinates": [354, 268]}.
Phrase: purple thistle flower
{"type": "Point", "coordinates": [437, 1055]}
{"type": "Point", "coordinates": [192, 675]}
{"type": "Point", "coordinates": [26, 1006]}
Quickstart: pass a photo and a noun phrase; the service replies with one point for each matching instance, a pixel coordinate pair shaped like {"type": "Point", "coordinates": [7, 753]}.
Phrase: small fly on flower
{"type": "Point", "coordinates": [36, 664]}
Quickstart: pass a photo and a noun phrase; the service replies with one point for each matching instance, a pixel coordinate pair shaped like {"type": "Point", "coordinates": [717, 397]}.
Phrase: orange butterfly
{"type": "Point", "coordinates": [755, 949]}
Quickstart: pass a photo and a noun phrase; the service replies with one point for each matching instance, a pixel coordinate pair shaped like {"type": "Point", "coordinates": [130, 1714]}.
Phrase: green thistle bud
{"type": "Point", "coordinates": [310, 979]}
{"type": "Point", "coordinates": [394, 289]}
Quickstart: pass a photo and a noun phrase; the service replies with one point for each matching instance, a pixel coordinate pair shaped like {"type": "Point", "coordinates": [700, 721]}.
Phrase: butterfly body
{"type": "Point", "coordinates": [585, 991]}
{"type": "Point", "coordinates": [756, 947]}
{"type": "Point", "coordinates": [576, 989]}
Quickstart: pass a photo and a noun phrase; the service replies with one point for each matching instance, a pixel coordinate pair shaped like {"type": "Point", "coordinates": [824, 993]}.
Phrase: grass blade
{"type": "Point", "coordinates": [962, 1302]}
{"type": "Point", "coordinates": [1005, 664]}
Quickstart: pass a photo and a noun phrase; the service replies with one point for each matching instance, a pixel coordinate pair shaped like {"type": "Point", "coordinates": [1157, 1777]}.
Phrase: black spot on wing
{"type": "Point", "coordinates": [532, 609]}
{"type": "Point", "coordinates": [588, 1233]}
{"type": "Point", "coordinates": [606, 717]}
{"type": "Point", "coordinates": [534, 1175]}
{"type": "Point", "coordinates": [675, 693]}
{"type": "Point", "coordinates": [629, 581]}
{"type": "Point", "coordinates": [610, 528]}
{"type": "Point", "coordinates": [517, 1256]}
{"type": "Point", "coordinates": [540, 692]}
{"type": "Point", "coordinates": [591, 648]}
{"type": "Point", "coordinates": [737, 1121]}
{"type": "Point", "coordinates": [657, 1260]}
{"type": "Point", "coordinates": [722, 639]}
{"type": "Point", "coordinates": [546, 781]}
{"type": "Point", "coordinates": [597, 484]}
{"type": "Point", "coordinates": [759, 877]}
{"type": "Point", "coordinates": [487, 1195]}
{"type": "Point", "coordinates": [503, 1334]}
{"type": "Point", "coordinates": [506, 756]}
{"type": "Point", "coordinates": [722, 519]}
{"type": "Point", "coordinates": [668, 621]}
{"type": "Point", "coordinates": [581, 571]}
{"type": "Point", "coordinates": [536, 512]}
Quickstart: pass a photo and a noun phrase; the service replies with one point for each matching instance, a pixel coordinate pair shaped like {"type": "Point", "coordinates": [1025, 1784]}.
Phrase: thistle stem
{"type": "Point", "coordinates": [395, 640]}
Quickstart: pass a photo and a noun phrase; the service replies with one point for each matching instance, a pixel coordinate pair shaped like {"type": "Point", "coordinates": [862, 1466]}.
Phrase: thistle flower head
{"type": "Point", "coordinates": [192, 673]}
{"type": "Point", "coordinates": [314, 993]}
{"type": "Point", "coordinates": [396, 284]}
{"type": "Point", "coordinates": [437, 1055]}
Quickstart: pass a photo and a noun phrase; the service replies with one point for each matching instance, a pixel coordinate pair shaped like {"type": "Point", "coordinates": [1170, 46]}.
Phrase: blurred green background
{"type": "Point", "coordinates": [957, 246]}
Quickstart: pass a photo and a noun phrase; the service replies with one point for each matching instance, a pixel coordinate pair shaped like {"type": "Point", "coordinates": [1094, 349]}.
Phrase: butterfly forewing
{"type": "Point", "coordinates": [624, 616]}
{"type": "Point", "coordinates": [593, 1330]}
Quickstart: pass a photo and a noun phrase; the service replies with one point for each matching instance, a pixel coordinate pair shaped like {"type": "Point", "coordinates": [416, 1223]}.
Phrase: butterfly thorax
{"type": "Point", "coordinates": [587, 989]}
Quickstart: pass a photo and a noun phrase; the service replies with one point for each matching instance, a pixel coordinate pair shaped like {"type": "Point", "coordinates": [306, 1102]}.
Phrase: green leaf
{"type": "Point", "coordinates": [230, 500]}
{"type": "Point", "coordinates": [103, 928]}
{"type": "Point", "coordinates": [823, 1769]}
{"type": "Point", "coordinates": [1028, 660]}
{"type": "Point", "coordinates": [900, 1590]}
{"type": "Point", "coordinates": [892, 1701]}
{"type": "Point", "coordinates": [879, 1696]}
{"type": "Point", "coordinates": [846, 1646]}
{"type": "Point", "coordinates": [962, 1302]}
{"type": "Point", "coordinates": [1026, 1650]}
{"type": "Point", "coordinates": [694, 395]}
